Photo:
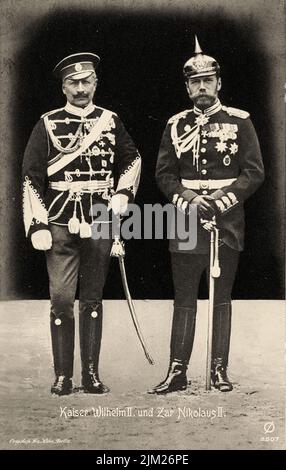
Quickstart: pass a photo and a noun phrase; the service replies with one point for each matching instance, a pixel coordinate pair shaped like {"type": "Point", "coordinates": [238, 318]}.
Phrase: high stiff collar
{"type": "Point", "coordinates": [81, 112]}
{"type": "Point", "coordinates": [209, 111]}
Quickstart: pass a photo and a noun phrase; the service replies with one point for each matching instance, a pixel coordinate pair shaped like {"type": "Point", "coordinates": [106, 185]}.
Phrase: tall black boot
{"type": "Point", "coordinates": [90, 330]}
{"type": "Point", "coordinates": [182, 340]}
{"type": "Point", "coordinates": [220, 348]}
{"type": "Point", "coordinates": [62, 333]}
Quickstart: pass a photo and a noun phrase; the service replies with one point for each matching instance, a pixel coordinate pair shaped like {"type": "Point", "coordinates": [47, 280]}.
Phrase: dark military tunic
{"type": "Point", "coordinates": [54, 192]}
{"type": "Point", "coordinates": [76, 159]}
{"type": "Point", "coordinates": [212, 153]}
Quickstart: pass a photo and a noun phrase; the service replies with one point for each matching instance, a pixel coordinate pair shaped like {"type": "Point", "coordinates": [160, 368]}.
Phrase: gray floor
{"type": "Point", "coordinates": [195, 419]}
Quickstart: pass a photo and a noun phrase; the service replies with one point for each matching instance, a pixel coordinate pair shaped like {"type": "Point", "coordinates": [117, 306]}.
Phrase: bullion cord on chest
{"type": "Point", "coordinates": [91, 174]}
{"type": "Point", "coordinates": [190, 139]}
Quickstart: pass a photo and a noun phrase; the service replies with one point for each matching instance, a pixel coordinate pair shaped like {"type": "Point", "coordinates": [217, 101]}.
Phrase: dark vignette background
{"type": "Point", "coordinates": [143, 51]}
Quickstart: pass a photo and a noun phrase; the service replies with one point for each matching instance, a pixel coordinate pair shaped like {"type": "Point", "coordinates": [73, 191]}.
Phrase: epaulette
{"type": "Point", "coordinates": [235, 112]}
{"type": "Point", "coordinates": [178, 116]}
{"type": "Point", "coordinates": [48, 113]}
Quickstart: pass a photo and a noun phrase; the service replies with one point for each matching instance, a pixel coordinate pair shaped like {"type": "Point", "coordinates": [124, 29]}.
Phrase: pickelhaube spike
{"type": "Point", "coordinates": [198, 49]}
{"type": "Point", "coordinates": [200, 65]}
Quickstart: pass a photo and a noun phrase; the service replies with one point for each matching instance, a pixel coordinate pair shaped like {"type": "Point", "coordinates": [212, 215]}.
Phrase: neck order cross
{"type": "Point", "coordinates": [190, 139]}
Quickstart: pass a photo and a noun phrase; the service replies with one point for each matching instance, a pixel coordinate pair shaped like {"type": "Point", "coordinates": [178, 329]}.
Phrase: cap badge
{"type": "Point", "coordinates": [78, 67]}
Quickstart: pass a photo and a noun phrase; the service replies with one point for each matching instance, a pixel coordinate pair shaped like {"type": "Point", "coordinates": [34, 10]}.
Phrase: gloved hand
{"type": "Point", "coordinates": [180, 202]}
{"type": "Point", "coordinates": [42, 240]}
{"type": "Point", "coordinates": [119, 204]}
{"type": "Point", "coordinates": [226, 203]}
{"type": "Point", "coordinates": [206, 206]}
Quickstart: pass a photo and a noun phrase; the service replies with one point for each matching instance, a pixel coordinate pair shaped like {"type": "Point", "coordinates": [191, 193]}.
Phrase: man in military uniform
{"type": "Point", "coordinates": [209, 158]}
{"type": "Point", "coordinates": [78, 156]}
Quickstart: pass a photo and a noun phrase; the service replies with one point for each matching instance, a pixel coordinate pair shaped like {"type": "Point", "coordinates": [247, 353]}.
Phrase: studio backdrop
{"type": "Point", "coordinates": [143, 46]}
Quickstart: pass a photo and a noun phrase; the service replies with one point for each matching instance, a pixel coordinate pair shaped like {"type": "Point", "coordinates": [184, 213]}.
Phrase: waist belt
{"type": "Point", "coordinates": [207, 184]}
{"type": "Point", "coordinates": [76, 186]}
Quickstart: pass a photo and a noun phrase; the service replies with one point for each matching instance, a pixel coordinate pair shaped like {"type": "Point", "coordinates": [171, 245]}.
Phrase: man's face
{"type": "Point", "coordinates": [203, 91]}
{"type": "Point", "coordinates": [80, 92]}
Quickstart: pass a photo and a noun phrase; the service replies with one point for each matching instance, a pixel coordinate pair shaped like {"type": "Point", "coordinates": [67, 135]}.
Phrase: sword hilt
{"type": "Point", "coordinates": [215, 267]}
{"type": "Point", "coordinates": [117, 248]}
{"type": "Point", "coordinates": [210, 226]}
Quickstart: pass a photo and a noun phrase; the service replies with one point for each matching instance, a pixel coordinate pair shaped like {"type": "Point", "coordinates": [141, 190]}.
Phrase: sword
{"type": "Point", "coordinates": [210, 226]}
{"type": "Point", "coordinates": [118, 251]}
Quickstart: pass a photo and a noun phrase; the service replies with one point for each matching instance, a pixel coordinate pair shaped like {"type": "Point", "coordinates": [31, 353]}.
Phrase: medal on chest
{"type": "Point", "coordinates": [224, 132]}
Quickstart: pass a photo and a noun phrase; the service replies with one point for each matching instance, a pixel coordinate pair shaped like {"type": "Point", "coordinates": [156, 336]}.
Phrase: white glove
{"type": "Point", "coordinates": [180, 202]}
{"type": "Point", "coordinates": [119, 204]}
{"type": "Point", "coordinates": [42, 240]}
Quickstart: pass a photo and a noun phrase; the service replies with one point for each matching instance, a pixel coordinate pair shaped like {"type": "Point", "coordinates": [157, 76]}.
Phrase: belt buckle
{"type": "Point", "coordinates": [204, 184]}
{"type": "Point", "coordinates": [75, 186]}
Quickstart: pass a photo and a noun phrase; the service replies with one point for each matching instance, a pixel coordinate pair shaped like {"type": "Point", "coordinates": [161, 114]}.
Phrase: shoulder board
{"type": "Point", "coordinates": [180, 115]}
{"type": "Point", "coordinates": [49, 113]}
{"type": "Point", "coordinates": [104, 109]}
{"type": "Point", "coordinates": [236, 112]}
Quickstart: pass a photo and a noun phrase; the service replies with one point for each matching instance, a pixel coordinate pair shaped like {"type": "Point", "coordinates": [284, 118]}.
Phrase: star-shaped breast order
{"type": "Point", "coordinates": [221, 146]}
{"type": "Point", "coordinates": [233, 148]}
{"type": "Point", "coordinates": [201, 120]}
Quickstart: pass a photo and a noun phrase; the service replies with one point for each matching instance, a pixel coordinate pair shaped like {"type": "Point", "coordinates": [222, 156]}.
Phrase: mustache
{"type": "Point", "coordinates": [204, 95]}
